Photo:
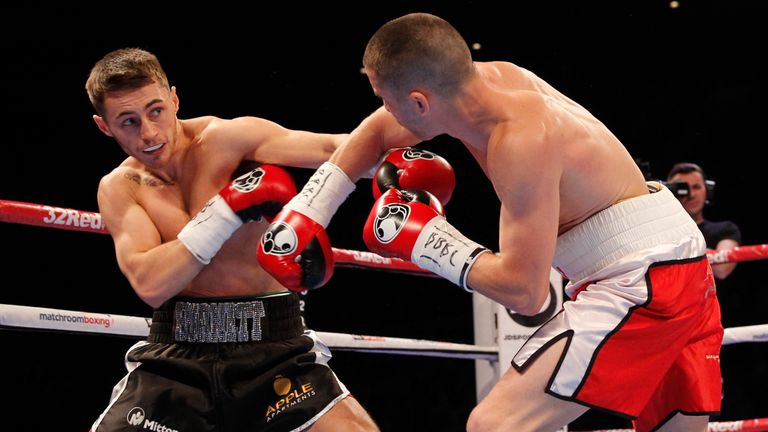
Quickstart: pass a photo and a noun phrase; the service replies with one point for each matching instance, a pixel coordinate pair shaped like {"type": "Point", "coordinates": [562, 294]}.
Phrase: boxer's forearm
{"type": "Point", "coordinates": [376, 134]}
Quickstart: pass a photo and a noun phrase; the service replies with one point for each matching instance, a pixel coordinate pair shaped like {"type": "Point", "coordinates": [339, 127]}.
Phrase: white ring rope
{"type": "Point", "coordinates": [36, 318]}
{"type": "Point", "coordinates": [751, 333]}
{"type": "Point", "coordinates": [26, 317]}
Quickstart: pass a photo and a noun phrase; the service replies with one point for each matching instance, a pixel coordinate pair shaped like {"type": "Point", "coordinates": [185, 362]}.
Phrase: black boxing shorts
{"type": "Point", "coordinates": [224, 364]}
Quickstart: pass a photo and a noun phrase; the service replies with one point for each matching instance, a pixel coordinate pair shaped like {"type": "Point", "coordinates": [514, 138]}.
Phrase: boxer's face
{"type": "Point", "coordinates": [143, 122]}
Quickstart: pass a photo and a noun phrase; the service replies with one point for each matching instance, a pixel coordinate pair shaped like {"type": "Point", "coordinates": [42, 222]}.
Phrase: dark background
{"type": "Point", "coordinates": [674, 84]}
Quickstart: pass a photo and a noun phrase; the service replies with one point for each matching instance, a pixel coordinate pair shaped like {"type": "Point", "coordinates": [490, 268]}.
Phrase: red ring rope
{"type": "Point", "coordinates": [737, 254]}
{"type": "Point", "coordinates": [77, 220]}
{"type": "Point", "coordinates": [751, 425]}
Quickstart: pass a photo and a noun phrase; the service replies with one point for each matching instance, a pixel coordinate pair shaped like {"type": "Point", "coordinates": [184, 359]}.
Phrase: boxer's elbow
{"type": "Point", "coordinates": [534, 304]}
{"type": "Point", "coordinates": [154, 299]}
{"type": "Point", "coordinates": [149, 291]}
{"type": "Point", "coordinates": [517, 299]}
{"type": "Point", "coordinates": [522, 292]}
{"type": "Point", "coordinates": [524, 302]}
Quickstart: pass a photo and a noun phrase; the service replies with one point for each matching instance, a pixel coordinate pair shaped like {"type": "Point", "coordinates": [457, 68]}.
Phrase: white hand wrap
{"type": "Point", "coordinates": [209, 229]}
{"type": "Point", "coordinates": [443, 250]}
{"type": "Point", "coordinates": [324, 192]}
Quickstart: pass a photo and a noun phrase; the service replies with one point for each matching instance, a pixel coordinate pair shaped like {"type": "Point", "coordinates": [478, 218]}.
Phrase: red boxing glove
{"type": "Point", "coordinates": [260, 192]}
{"type": "Point", "coordinates": [411, 168]}
{"type": "Point", "coordinates": [401, 226]}
{"type": "Point", "coordinates": [396, 221]}
{"type": "Point", "coordinates": [296, 251]}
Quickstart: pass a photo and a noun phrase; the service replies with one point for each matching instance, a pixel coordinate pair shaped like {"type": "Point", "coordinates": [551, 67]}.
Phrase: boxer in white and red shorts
{"type": "Point", "coordinates": [559, 173]}
{"type": "Point", "coordinates": [643, 325]}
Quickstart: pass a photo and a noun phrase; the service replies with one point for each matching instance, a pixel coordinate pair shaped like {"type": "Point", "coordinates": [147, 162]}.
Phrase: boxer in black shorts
{"type": "Point", "coordinates": [227, 349]}
{"type": "Point", "coordinates": [237, 364]}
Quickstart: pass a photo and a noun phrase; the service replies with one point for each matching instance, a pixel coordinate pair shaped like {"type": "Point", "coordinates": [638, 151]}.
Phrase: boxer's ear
{"type": "Point", "coordinates": [103, 127]}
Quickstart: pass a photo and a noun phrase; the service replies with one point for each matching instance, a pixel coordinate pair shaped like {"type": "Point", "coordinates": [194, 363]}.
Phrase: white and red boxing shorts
{"type": "Point", "coordinates": [643, 322]}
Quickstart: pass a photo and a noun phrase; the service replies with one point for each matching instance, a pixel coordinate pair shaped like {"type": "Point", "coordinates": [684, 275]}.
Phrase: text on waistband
{"type": "Point", "coordinates": [218, 322]}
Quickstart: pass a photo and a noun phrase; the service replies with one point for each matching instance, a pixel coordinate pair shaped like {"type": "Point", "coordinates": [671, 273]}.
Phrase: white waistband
{"type": "Point", "coordinates": [629, 226]}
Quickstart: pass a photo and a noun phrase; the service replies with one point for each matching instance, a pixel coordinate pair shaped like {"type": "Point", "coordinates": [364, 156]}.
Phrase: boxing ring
{"type": "Point", "coordinates": [499, 331]}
